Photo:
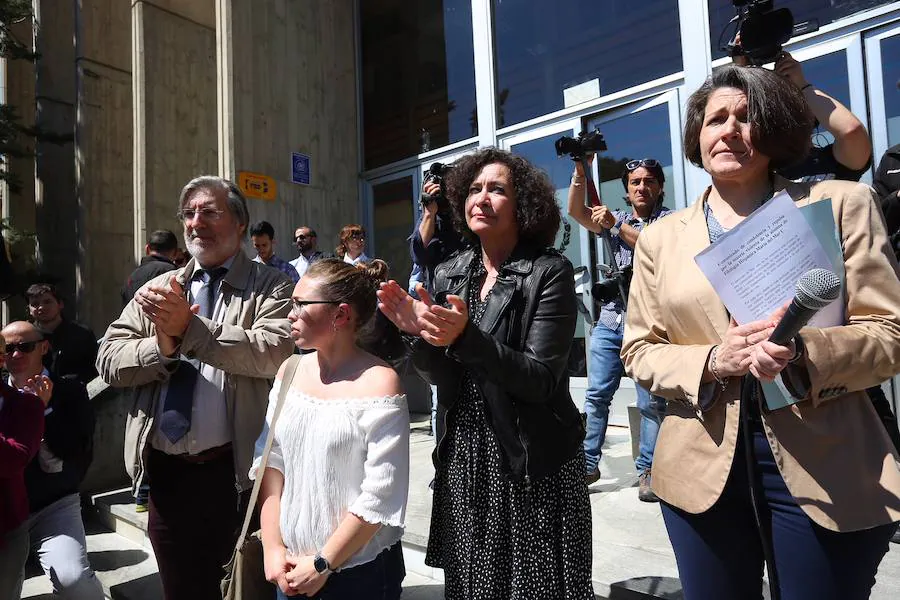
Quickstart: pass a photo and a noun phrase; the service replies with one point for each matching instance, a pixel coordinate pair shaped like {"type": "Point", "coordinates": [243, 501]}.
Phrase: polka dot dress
{"type": "Point", "coordinates": [494, 539]}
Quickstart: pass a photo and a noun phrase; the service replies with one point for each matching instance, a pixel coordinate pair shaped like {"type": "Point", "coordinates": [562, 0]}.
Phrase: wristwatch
{"type": "Point", "coordinates": [614, 230]}
{"type": "Point", "coordinates": [320, 563]}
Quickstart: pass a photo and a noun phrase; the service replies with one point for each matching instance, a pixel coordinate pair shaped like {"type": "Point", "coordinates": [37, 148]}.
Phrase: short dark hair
{"type": "Point", "coordinates": [781, 121]}
{"type": "Point", "coordinates": [536, 209]}
{"type": "Point", "coordinates": [39, 289]}
{"type": "Point", "coordinates": [263, 228]}
{"type": "Point", "coordinates": [162, 240]}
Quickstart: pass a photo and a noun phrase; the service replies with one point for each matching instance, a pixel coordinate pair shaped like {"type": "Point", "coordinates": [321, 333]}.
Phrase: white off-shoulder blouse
{"type": "Point", "coordinates": [339, 456]}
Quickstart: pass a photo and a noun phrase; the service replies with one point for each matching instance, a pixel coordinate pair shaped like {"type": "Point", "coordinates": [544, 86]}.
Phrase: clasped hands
{"type": "Point", "coordinates": [293, 575]}
{"type": "Point", "coordinates": [168, 309]}
{"type": "Point", "coordinates": [437, 325]}
{"type": "Point", "coordinates": [746, 348]}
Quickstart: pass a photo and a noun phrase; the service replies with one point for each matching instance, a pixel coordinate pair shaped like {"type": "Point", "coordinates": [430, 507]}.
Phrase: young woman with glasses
{"type": "Point", "coordinates": [352, 245]}
{"type": "Point", "coordinates": [333, 497]}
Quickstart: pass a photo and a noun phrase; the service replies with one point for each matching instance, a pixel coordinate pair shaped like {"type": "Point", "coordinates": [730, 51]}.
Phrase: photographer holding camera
{"type": "Point", "coordinates": [643, 181]}
{"type": "Point", "coordinates": [434, 239]}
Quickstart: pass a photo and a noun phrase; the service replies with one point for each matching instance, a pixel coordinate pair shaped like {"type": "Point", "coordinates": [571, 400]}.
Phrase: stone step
{"type": "Point", "coordinates": [115, 510]}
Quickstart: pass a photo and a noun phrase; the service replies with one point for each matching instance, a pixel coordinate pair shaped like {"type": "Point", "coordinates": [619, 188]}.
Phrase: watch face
{"type": "Point", "coordinates": [320, 564]}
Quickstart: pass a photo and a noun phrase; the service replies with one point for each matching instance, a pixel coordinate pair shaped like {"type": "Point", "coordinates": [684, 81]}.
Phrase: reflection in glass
{"type": "Point", "coordinates": [890, 70]}
{"type": "Point", "coordinates": [544, 47]}
{"type": "Point", "coordinates": [418, 77]}
{"type": "Point", "coordinates": [542, 153]}
{"type": "Point", "coordinates": [393, 222]}
{"type": "Point", "coordinates": [642, 134]}
{"type": "Point", "coordinates": [823, 11]}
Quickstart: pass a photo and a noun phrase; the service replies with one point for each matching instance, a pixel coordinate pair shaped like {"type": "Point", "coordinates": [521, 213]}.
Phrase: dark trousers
{"type": "Point", "coordinates": [719, 553]}
{"type": "Point", "coordinates": [378, 579]}
{"type": "Point", "coordinates": [194, 521]}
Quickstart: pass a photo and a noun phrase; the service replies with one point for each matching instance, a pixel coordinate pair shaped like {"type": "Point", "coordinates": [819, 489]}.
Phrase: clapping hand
{"type": "Point", "coordinates": [437, 325]}
{"type": "Point", "coordinates": [167, 308]}
{"type": "Point", "coordinates": [40, 386]}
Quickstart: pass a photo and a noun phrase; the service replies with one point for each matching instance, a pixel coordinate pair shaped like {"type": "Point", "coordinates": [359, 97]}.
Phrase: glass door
{"type": "Point", "coordinates": [393, 200]}
{"type": "Point", "coordinates": [883, 74]}
{"type": "Point", "coordinates": [537, 146]}
{"type": "Point", "coordinates": [648, 129]}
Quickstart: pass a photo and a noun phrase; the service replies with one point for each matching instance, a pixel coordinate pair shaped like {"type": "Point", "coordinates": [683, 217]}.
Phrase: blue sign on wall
{"type": "Point", "coordinates": [299, 168]}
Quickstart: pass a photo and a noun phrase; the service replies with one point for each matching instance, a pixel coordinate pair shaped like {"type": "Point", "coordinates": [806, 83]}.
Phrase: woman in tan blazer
{"type": "Point", "coordinates": [823, 472]}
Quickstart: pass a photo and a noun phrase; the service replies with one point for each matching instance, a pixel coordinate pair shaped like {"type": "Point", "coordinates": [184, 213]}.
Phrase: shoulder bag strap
{"type": "Point", "coordinates": [292, 363]}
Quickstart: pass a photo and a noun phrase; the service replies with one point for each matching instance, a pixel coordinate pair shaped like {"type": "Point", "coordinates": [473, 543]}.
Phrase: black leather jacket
{"type": "Point", "coordinates": [517, 357]}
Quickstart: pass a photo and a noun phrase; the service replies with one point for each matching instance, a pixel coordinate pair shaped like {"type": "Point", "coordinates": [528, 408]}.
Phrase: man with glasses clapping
{"type": "Point", "coordinates": [643, 181]}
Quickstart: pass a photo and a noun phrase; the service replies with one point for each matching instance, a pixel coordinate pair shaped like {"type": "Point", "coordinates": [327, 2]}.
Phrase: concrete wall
{"type": "Point", "coordinates": [175, 118]}
{"type": "Point", "coordinates": [104, 181]}
{"type": "Point", "coordinates": [288, 83]}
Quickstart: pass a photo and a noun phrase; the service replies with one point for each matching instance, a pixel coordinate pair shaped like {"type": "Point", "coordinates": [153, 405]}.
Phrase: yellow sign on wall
{"type": "Point", "coordinates": [255, 185]}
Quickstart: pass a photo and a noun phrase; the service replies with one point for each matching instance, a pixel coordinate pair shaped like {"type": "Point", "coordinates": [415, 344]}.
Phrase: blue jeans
{"type": "Point", "coordinates": [719, 554]}
{"type": "Point", "coordinates": [604, 374]}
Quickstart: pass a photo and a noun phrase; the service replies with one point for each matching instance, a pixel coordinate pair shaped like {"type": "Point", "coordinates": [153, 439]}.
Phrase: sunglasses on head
{"type": "Point", "coordinates": [23, 347]}
{"type": "Point", "coordinates": [650, 163]}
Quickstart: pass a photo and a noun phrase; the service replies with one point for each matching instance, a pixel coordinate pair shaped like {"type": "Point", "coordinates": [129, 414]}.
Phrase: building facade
{"type": "Point", "coordinates": [373, 92]}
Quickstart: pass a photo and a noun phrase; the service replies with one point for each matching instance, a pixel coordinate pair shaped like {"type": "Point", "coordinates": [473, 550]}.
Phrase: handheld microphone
{"type": "Point", "coordinates": [816, 289]}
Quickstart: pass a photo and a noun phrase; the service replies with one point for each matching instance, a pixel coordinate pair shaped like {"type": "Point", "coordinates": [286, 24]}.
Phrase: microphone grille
{"type": "Point", "coordinates": [818, 288]}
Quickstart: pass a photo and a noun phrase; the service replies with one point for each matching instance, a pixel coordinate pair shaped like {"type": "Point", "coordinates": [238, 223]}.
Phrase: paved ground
{"type": "Point", "coordinates": [630, 545]}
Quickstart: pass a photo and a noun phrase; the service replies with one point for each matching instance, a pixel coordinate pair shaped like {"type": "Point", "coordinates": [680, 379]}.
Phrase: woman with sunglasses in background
{"type": "Point", "coordinates": [643, 181]}
{"type": "Point", "coordinates": [333, 497]}
{"type": "Point", "coordinates": [352, 245]}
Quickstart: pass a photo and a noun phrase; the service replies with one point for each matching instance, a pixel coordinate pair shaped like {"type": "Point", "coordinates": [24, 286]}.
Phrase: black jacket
{"type": "Point", "coordinates": [887, 184]}
{"type": "Point", "coordinates": [73, 352]}
{"type": "Point", "coordinates": [517, 356]}
{"type": "Point", "coordinates": [151, 266]}
{"type": "Point", "coordinates": [68, 435]}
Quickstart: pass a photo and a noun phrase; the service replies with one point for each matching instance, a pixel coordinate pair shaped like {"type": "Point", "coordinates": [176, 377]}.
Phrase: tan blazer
{"type": "Point", "coordinates": [831, 448]}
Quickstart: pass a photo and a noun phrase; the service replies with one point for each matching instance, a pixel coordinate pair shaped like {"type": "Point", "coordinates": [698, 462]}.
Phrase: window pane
{"type": "Point", "coordinates": [545, 46]}
{"type": "Point", "coordinates": [643, 134]}
{"type": "Point", "coordinates": [418, 77]}
{"type": "Point", "coordinates": [542, 153]}
{"type": "Point", "coordinates": [828, 73]}
{"type": "Point", "coordinates": [823, 11]}
{"type": "Point", "coordinates": [890, 69]}
{"type": "Point", "coordinates": [393, 221]}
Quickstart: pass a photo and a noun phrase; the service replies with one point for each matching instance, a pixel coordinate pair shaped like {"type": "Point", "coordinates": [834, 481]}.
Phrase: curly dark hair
{"type": "Point", "coordinates": [537, 212]}
{"type": "Point", "coordinates": [781, 120]}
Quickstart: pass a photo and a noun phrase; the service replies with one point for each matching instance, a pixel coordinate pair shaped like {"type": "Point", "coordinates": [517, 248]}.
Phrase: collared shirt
{"type": "Point", "coordinates": [361, 258]}
{"type": "Point", "coordinates": [210, 423]}
{"type": "Point", "coordinates": [282, 265]}
{"type": "Point", "coordinates": [301, 263]}
{"type": "Point", "coordinates": [612, 314]}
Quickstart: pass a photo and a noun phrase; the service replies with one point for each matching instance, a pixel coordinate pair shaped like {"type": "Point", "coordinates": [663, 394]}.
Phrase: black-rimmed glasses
{"type": "Point", "coordinates": [23, 347]}
{"type": "Point", "coordinates": [650, 163]}
{"type": "Point", "coordinates": [298, 305]}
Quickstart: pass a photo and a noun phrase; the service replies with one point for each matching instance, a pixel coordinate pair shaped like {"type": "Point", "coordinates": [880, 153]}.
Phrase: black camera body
{"type": "Point", "coordinates": [435, 174]}
{"type": "Point", "coordinates": [763, 29]}
{"type": "Point", "coordinates": [587, 142]}
{"type": "Point", "coordinates": [608, 290]}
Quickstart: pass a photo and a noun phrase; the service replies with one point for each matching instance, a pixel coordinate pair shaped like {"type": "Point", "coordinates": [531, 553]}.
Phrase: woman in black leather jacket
{"type": "Point", "coordinates": [511, 516]}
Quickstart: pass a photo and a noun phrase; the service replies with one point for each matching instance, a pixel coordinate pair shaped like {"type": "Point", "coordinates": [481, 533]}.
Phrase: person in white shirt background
{"type": "Point", "coordinates": [352, 244]}
{"type": "Point", "coordinates": [334, 491]}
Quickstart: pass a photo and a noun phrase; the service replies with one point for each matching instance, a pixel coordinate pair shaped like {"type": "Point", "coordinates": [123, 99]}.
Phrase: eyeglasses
{"type": "Point", "coordinates": [206, 214]}
{"type": "Point", "coordinates": [357, 235]}
{"type": "Point", "coordinates": [650, 163]}
{"type": "Point", "coordinates": [23, 347]}
{"type": "Point", "coordinates": [298, 305]}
